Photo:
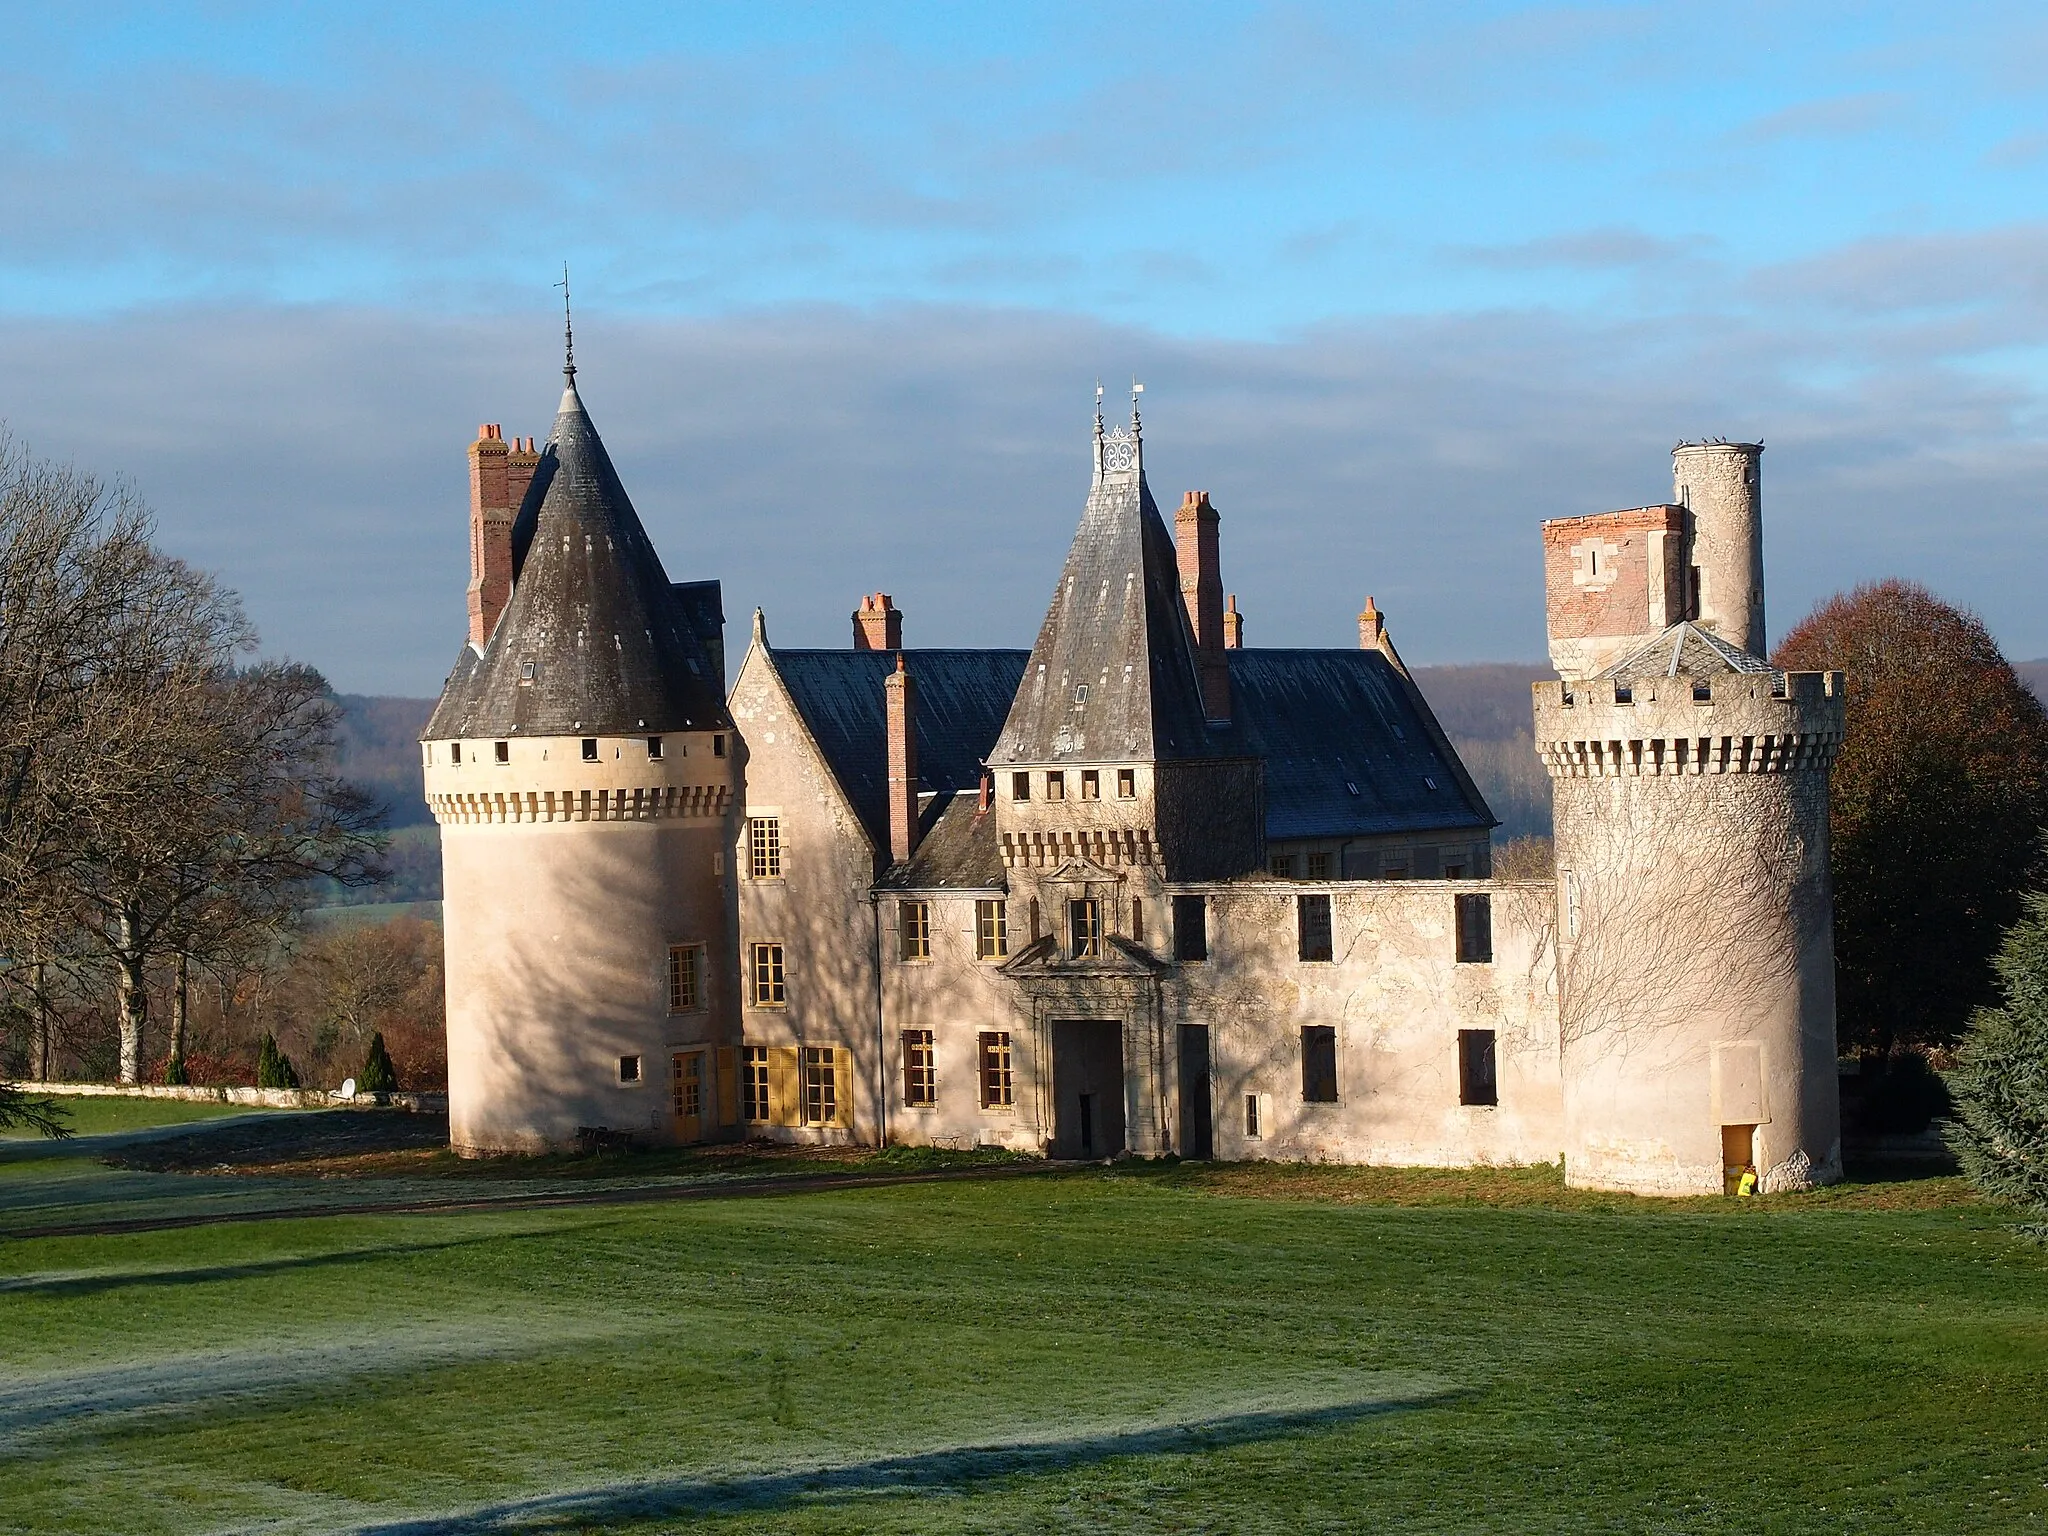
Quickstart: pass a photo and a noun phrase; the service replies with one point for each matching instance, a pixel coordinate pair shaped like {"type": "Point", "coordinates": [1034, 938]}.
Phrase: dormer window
{"type": "Point", "coordinates": [529, 671]}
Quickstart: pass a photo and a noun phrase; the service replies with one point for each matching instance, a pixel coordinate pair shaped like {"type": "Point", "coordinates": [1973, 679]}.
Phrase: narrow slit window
{"type": "Point", "coordinates": [998, 1087]}
{"type": "Point", "coordinates": [1312, 927]}
{"type": "Point", "coordinates": [991, 930]}
{"type": "Point", "coordinates": [764, 847]}
{"type": "Point", "coordinates": [920, 1072]}
{"type": "Point", "coordinates": [1475, 930]}
{"type": "Point", "coordinates": [770, 987]}
{"type": "Point", "coordinates": [1190, 928]}
{"type": "Point", "coordinates": [1254, 1122]}
{"type": "Point", "coordinates": [1478, 1078]}
{"type": "Point", "coordinates": [914, 930]}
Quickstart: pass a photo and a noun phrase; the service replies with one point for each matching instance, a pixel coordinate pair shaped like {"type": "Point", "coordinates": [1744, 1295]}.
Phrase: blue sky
{"type": "Point", "coordinates": [1402, 280]}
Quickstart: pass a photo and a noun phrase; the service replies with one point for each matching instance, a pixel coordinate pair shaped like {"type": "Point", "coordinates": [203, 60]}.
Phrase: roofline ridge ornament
{"type": "Point", "coordinates": [568, 330]}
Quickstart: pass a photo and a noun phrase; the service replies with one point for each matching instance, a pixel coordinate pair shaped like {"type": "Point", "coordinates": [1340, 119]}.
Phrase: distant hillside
{"type": "Point", "coordinates": [1484, 708]}
{"type": "Point", "coordinates": [2035, 675]}
{"type": "Point", "coordinates": [380, 750]}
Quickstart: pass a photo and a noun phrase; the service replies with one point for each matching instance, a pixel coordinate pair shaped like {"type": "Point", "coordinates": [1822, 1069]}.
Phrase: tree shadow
{"type": "Point", "coordinates": [69, 1285]}
{"type": "Point", "coordinates": [951, 1467]}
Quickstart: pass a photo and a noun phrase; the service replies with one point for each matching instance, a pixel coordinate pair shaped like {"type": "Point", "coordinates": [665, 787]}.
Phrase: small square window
{"type": "Point", "coordinates": [991, 930]}
{"type": "Point", "coordinates": [502, 751]}
{"type": "Point", "coordinates": [998, 1087]}
{"type": "Point", "coordinates": [1020, 786]}
{"type": "Point", "coordinates": [764, 964]}
{"type": "Point", "coordinates": [1475, 930]}
{"type": "Point", "coordinates": [1312, 917]}
{"type": "Point", "coordinates": [1319, 866]}
{"type": "Point", "coordinates": [1091, 784]}
{"type": "Point", "coordinates": [590, 749]}
{"type": "Point", "coordinates": [1282, 865]}
{"type": "Point", "coordinates": [1127, 783]}
{"type": "Point", "coordinates": [1056, 786]}
{"type": "Point", "coordinates": [1190, 928]}
{"type": "Point", "coordinates": [914, 930]}
{"type": "Point", "coordinates": [654, 749]}
{"type": "Point", "coordinates": [629, 1069]}
{"type": "Point", "coordinates": [920, 1073]}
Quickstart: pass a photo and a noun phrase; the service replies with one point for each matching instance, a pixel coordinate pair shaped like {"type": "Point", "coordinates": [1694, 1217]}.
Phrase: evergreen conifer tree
{"type": "Point", "coordinates": [2000, 1082]}
{"type": "Point", "coordinates": [378, 1074]}
{"type": "Point", "coordinates": [274, 1069]}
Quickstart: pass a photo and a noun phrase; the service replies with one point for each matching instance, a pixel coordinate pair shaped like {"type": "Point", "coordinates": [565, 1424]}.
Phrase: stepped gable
{"type": "Point", "coordinates": [1117, 629]}
{"type": "Point", "coordinates": [1350, 747]}
{"type": "Point", "coordinates": [595, 640]}
{"type": "Point", "coordinates": [961, 698]}
{"type": "Point", "coordinates": [1685, 650]}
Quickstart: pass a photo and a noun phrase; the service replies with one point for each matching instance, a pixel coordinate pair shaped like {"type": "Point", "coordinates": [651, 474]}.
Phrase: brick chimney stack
{"type": "Point", "coordinates": [1372, 627]}
{"type": "Point", "coordinates": [1195, 542]}
{"type": "Point", "coordinates": [520, 464]}
{"type": "Point", "coordinates": [900, 693]}
{"type": "Point", "coordinates": [1233, 626]}
{"type": "Point", "coordinates": [878, 626]}
{"type": "Point", "coordinates": [491, 506]}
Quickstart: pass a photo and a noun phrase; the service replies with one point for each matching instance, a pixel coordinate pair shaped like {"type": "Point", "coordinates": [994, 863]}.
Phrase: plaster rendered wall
{"type": "Point", "coordinates": [557, 935]}
{"type": "Point", "coordinates": [1698, 987]}
{"type": "Point", "coordinates": [1397, 997]}
{"type": "Point", "coordinates": [818, 910]}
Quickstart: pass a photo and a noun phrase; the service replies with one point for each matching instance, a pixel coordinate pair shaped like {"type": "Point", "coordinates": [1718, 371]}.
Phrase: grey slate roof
{"type": "Point", "coordinates": [1685, 650]}
{"type": "Point", "coordinates": [1117, 629]}
{"type": "Point", "coordinates": [958, 851]}
{"type": "Point", "coordinates": [1350, 747]}
{"type": "Point", "coordinates": [613, 647]}
{"type": "Point", "coordinates": [961, 699]}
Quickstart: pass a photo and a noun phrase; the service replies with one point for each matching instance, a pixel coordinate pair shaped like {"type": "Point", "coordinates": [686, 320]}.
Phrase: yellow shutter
{"type": "Point", "coordinates": [785, 1085]}
{"type": "Point", "coordinates": [728, 1086]}
{"type": "Point", "coordinates": [842, 1087]}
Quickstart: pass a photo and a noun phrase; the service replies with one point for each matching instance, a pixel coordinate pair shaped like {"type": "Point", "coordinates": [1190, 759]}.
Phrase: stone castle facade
{"type": "Point", "coordinates": [1140, 888]}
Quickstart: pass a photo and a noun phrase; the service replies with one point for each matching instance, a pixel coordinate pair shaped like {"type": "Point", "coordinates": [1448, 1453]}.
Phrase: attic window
{"type": "Point", "coordinates": [1020, 786]}
{"type": "Point", "coordinates": [528, 671]}
{"type": "Point", "coordinates": [1080, 693]}
{"type": "Point", "coordinates": [1091, 783]}
{"type": "Point", "coordinates": [590, 749]}
{"type": "Point", "coordinates": [502, 751]}
{"type": "Point", "coordinates": [1623, 694]}
{"type": "Point", "coordinates": [1703, 693]}
{"type": "Point", "coordinates": [1351, 787]}
{"type": "Point", "coordinates": [455, 752]}
{"type": "Point", "coordinates": [1127, 783]}
{"type": "Point", "coordinates": [1056, 785]}
{"type": "Point", "coordinates": [654, 749]}
{"type": "Point", "coordinates": [718, 746]}
{"type": "Point", "coordinates": [1428, 784]}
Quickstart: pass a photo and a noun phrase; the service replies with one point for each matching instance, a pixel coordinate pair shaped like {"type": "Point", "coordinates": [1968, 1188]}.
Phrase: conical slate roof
{"type": "Point", "coordinates": [1112, 677]}
{"type": "Point", "coordinates": [1685, 650]}
{"type": "Point", "coordinates": [594, 640]}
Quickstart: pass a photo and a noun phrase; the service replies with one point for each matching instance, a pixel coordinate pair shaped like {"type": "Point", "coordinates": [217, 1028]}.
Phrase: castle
{"type": "Point", "coordinates": [1141, 888]}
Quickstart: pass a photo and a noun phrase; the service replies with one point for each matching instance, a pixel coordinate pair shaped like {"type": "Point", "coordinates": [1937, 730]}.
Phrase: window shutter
{"type": "Point", "coordinates": [728, 1086]}
{"type": "Point", "coordinates": [842, 1087]}
{"type": "Point", "coordinates": [785, 1085]}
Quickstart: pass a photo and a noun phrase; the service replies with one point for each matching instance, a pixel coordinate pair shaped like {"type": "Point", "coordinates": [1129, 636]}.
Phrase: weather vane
{"type": "Point", "coordinates": [568, 327]}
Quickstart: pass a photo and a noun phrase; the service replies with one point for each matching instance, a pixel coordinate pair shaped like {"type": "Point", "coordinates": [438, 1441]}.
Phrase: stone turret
{"type": "Point", "coordinates": [579, 765]}
{"type": "Point", "coordinates": [1695, 927]}
{"type": "Point", "coordinates": [1721, 485]}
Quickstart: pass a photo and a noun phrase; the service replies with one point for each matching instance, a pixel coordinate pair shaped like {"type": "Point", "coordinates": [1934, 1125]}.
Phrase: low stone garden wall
{"type": "Point", "coordinates": [261, 1098]}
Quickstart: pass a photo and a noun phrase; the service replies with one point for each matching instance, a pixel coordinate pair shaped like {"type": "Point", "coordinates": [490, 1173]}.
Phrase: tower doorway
{"type": "Point", "coordinates": [1087, 1088]}
{"type": "Point", "coordinates": [1738, 1149]}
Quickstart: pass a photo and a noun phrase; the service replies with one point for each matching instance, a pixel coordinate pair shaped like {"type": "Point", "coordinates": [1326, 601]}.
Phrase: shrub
{"type": "Point", "coordinates": [175, 1075]}
{"type": "Point", "coordinates": [274, 1069]}
{"type": "Point", "coordinates": [378, 1075]}
{"type": "Point", "coordinates": [2000, 1081]}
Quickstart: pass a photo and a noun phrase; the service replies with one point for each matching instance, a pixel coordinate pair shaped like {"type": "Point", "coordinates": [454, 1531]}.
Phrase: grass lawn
{"type": "Point", "coordinates": [1145, 1349]}
{"type": "Point", "coordinates": [89, 1115]}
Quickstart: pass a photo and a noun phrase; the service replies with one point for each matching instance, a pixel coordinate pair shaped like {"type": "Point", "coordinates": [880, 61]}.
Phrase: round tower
{"type": "Point", "coordinates": [1695, 923]}
{"type": "Point", "coordinates": [579, 765]}
{"type": "Point", "coordinates": [1722, 485]}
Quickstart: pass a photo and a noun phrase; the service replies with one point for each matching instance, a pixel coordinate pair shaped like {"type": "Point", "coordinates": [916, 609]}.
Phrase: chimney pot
{"type": "Point", "coordinates": [878, 626]}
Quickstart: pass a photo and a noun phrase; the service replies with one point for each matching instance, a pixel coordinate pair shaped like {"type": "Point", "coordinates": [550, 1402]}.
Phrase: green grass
{"type": "Point", "coordinates": [91, 1115]}
{"type": "Point", "coordinates": [1148, 1349]}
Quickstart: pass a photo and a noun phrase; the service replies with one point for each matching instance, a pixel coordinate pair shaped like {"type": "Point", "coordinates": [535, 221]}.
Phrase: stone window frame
{"type": "Point", "coordinates": [1091, 784]}
{"type": "Point", "coordinates": [920, 1069]}
{"type": "Point", "coordinates": [818, 1085]}
{"type": "Point", "coordinates": [1084, 928]}
{"type": "Point", "coordinates": [767, 973]}
{"type": "Point", "coordinates": [1309, 930]}
{"type": "Point", "coordinates": [632, 1070]}
{"type": "Point", "coordinates": [1127, 783]}
{"type": "Point", "coordinates": [1318, 1064]}
{"type": "Point", "coordinates": [1474, 926]}
{"type": "Point", "coordinates": [764, 847]}
{"type": "Point", "coordinates": [995, 1070]}
{"type": "Point", "coordinates": [991, 929]}
{"type": "Point", "coordinates": [686, 978]}
{"type": "Point", "coordinates": [913, 931]}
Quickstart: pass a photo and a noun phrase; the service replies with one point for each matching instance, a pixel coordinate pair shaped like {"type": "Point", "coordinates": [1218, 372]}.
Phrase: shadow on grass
{"type": "Point", "coordinates": [953, 1467]}
{"type": "Point", "coordinates": [67, 1285]}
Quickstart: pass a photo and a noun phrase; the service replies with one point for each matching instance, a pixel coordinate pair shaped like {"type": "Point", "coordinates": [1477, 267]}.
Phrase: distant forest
{"type": "Point", "coordinates": [1484, 709]}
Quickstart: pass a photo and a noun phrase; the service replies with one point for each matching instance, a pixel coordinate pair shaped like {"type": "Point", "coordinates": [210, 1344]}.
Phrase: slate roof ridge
{"type": "Point", "coordinates": [1668, 655]}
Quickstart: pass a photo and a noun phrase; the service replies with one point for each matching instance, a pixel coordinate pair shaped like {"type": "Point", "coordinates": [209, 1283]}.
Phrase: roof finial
{"type": "Point", "coordinates": [568, 330]}
{"type": "Point", "coordinates": [1137, 389]}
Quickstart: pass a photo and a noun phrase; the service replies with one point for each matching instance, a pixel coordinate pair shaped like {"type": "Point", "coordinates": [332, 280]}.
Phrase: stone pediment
{"type": "Point", "coordinates": [1043, 959]}
{"type": "Point", "coordinates": [1082, 871]}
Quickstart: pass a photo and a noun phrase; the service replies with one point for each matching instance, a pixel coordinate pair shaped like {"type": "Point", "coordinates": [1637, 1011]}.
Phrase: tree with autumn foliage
{"type": "Point", "coordinates": [1939, 797]}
